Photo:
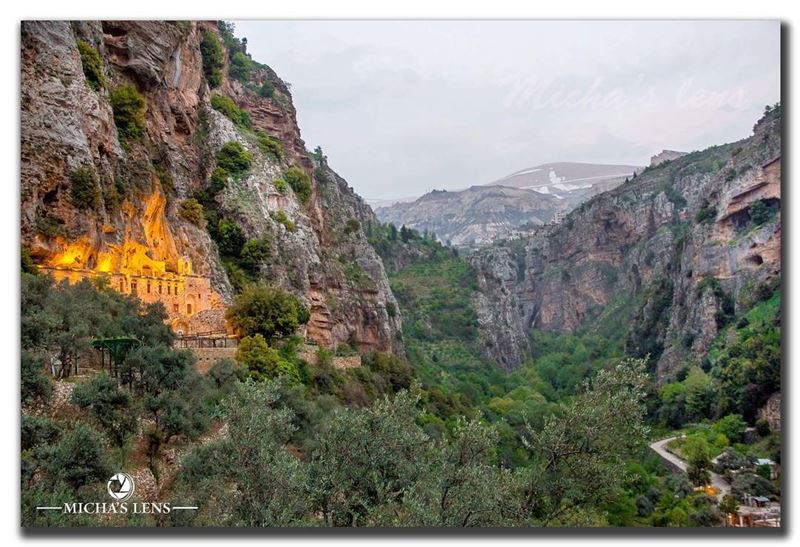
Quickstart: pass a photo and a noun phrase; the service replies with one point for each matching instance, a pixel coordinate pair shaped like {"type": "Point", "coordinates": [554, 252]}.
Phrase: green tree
{"type": "Point", "coordinates": [213, 58]}
{"type": "Point", "coordinates": [220, 475]}
{"type": "Point", "coordinates": [241, 66]}
{"type": "Point", "coordinates": [36, 385]}
{"type": "Point", "coordinates": [108, 405]}
{"type": "Point", "coordinates": [367, 460]}
{"type": "Point", "coordinates": [698, 460]}
{"type": "Point", "coordinates": [577, 458]}
{"type": "Point", "coordinates": [254, 252]}
{"type": "Point", "coordinates": [463, 487]}
{"type": "Point", "coordinates": [728, 506]}
{"type": "Point", "coordinates": [270, 145]}
{"type": "Point", "coordinates": [262, 361]}
{"type": "Point", "coordinates": [700, 393]}
{"type": "Point", "coordinates": [230, 238]}
{"type": "Point", "coordinates": [78, 457]}
{"type": "Point", "coordinates": [268, 311]}
{"type": "Point", "coordinates": [732, 426]}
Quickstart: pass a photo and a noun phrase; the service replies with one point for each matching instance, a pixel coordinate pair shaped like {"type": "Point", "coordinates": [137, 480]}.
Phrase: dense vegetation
{"type": "Point", "coordinates": [129, 107]}
{"type": "Point", "coordinates": [226, 106]}
{"type": "Point", "coordinates": [439, 437]}
{"type": "Point", "coordinates": [92, 65]}
{"type": "Point", "coordinates": [213, 58]}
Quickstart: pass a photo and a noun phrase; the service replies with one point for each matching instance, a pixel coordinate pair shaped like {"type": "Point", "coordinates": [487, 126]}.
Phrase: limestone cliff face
{"type": "Point", "coordinates": [69, 128]}
{"type": "Point", "coordinates": [672, 251]}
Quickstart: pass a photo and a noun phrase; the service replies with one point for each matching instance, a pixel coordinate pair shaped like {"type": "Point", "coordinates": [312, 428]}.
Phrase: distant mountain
{"type": "Point", "coordinates": [507, 207]}
{"type": "Point", "coordinates": [475, 216]}
{"type": "Point", "coordinates": [570, 181]}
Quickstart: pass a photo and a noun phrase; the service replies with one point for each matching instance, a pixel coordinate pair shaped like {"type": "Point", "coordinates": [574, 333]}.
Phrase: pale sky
{"type": "Point", "coordinates": [403, 107]}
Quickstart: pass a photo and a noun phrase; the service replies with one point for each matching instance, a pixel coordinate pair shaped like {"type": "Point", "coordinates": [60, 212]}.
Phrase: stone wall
{"type": "Point", "coordinates": [206, 357]}
{"type": "Point", "coordinates": [309, 354]}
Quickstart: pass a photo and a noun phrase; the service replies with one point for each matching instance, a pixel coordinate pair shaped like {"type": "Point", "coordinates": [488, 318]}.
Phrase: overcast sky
{"type": "Point", "coordinates": [403, 107]}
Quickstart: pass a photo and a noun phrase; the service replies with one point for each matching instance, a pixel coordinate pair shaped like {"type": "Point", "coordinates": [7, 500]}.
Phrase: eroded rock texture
{"type": "Point", "coordinates": [69, 128]}
{"type": "Point", "coordinates": [663, 257]}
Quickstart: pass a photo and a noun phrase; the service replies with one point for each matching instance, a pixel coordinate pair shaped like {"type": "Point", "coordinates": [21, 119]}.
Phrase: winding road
{"type": "Point", "coordinates": [660, 448]}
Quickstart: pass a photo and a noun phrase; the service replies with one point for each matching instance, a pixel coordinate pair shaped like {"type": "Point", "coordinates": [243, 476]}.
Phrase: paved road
{"type": "Point", "coordinates": [660, 448]}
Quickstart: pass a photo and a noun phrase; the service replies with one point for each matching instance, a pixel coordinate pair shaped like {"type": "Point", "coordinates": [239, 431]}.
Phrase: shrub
{"type": "Point", "coordinates": [706, 213]}
{"type": "Point", "coordinates": [233, 158]}
{"type": "Point", "coordinates": [92, 65]}
{"type": "Point", "coordinates": [352, 225]}
{"type": "Point", "coordinates": [129, 107]}
{"type": "Point", "coordinates": [230, 238]}
{"type": "Point", "coordinates": [254, 253]}
{"type": "Point", "coordinates": [730, 459]}
{"type": "Point", "coordinates": [262, 361]}
{"type": "Point", "coordinates": [300, 183]}
{"type": "Point", "coordinates": [281, 186]}
{"type": "Point", "coordinates": [36, 385]}
{"type": "Point", "coordinates": [49, 226]}
{"type": "Point", "coordinates": [213, 58]}
{"type": "Point", "coordinates": [759, 212]}
{"type": "Point", "coordinates": [241, 66]}
{"type": "Point", "coordinates": [267, 90]}
{"type": "Point", "coordinates": [217, 181]}
{"type": "Point", "coordinates": [84, 190]}
{"type": "Point", "coordinates": [270, 145]}
{"type": "Point", "coordinates": [78, 458]}
{"type": "Point", "coordinates": [108, 405]}
{"type": "Point", "coordinates": [675, 197]}
{"type": "Point", "coordinates": [269, 311]}
{"type": "Point", "coordinates": [280, 217]}
{"type": "Point", "coordinates": [27, 265]}
{"type": "Point", "coordinates": [236, 276]}
{"type": "Point", "coordinates": [225, 371]}
{"type": "Point", "coordinates": [191, 210]}
{"type": "Point", "coordinates": [38, 431]}
{"type": "Point", "coordinates": [226, 106]}
{"type": "Point", "coordinates": [732, 426]}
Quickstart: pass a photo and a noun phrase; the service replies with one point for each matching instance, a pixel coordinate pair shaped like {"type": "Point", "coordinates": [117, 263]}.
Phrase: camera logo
{"type": "Point", "coordinates": [120, 487]}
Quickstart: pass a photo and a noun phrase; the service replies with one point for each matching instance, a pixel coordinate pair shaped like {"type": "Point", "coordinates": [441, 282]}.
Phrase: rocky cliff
{"type": "Point", "coordinates": [663, 260]}
{"type": "Point", "coordinates": [102, 196]}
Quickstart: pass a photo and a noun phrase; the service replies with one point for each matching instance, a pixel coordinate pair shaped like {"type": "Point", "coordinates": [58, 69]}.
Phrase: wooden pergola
{"type": "Point", "coordinates": [116, 348]}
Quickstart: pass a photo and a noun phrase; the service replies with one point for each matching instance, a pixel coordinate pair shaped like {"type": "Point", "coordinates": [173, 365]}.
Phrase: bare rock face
{"type": "Point", "coordinates": [665, 155]}
{"type": "Point", "coordinates": [320, 254]}
{"type": "Point", "coordinates": [771, 412]}
{"type": "Point", "coordinates": [672, 251]}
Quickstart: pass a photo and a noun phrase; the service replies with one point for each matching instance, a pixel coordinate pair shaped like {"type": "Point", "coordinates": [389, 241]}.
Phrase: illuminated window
{"type": "Point", "coordinates": [148, 286]}
{"type": "Point", "coordinates": [175, 308]}
{"type": "Point", "coordinates": [169, 289]}
{"type": "Point", "coordinates": [188, 309]}
{"type": "Point", "coordinates": [121, 286]}
{"type": "Point", "coordinates": [134, 285]}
